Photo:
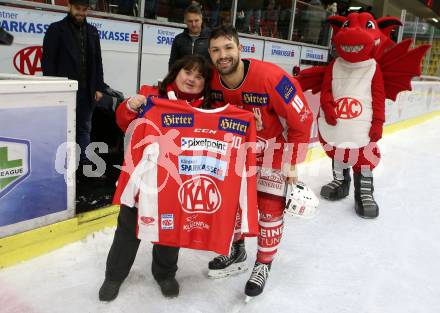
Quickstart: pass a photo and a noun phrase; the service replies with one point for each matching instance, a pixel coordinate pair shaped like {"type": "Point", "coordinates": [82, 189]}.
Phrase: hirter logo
{"type": "Point", "coordinates": [147, 220]}
{"type": "Point", "coordinates": [348, 108]}
{"type": "Point", "coordinates": [27, 61]}
{"type": "Point", "coordinates": [200, 195]}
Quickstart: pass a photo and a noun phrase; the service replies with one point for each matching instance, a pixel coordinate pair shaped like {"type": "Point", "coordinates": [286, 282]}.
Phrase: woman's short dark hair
{"type": "Point", "coordinates": [190, 62]}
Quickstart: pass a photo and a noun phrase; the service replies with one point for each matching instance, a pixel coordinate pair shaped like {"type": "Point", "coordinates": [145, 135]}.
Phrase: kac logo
{"type": "Point", "coordinates": [199, 195]}
{"type": "Point", "coordinates": [167, 221]}
{"type": "Point", "coordinates": [27, 61]}
{"type": "Point", "coordinates": [14, 163]}
{"type": "Point", "coordinates": [348, 108]}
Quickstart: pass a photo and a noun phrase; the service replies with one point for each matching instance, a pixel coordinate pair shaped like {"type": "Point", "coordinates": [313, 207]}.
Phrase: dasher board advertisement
{"type": "Point", "coordinates": [119, 45]}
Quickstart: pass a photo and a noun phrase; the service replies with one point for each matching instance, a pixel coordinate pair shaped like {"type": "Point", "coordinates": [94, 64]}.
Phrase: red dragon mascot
{"type": "Point", "coordinates": [370, 68]}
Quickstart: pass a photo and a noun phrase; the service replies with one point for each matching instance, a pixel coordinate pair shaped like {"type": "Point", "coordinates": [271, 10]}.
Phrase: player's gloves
{"type": "Point", "coordinates": [301, 201]}
{"type": "Point", "coordinates": [375, 131]}
{"type": "Point", "coordinates": [329, 112]}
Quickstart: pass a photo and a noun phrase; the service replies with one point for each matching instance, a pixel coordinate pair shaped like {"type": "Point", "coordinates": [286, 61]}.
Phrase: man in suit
{"type": "Point", "coordinates": [71, 49]}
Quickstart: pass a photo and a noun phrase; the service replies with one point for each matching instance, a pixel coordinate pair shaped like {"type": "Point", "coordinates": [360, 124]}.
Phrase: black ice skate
{"type": "Point", "coordinates": [109, 290]}
{"type": "Point", "coordinates": [235, 263]}
{"type": "Point", "coordinates": [255, 284]}
{"type": "Point", "coordinates": [340, 186]}
{"type": "Point", "coordinates": [365, 205]}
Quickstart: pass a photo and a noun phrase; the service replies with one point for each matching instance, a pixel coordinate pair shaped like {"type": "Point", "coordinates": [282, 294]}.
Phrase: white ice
{"type": "Point", "coordinates": [334, 263]}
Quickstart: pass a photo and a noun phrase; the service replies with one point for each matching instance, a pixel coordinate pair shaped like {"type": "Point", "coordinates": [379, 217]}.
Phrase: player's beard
{"type": "Point", "coordinates": [231, 69]}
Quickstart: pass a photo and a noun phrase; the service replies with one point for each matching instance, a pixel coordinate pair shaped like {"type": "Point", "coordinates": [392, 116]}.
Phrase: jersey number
{"type": "Point", "coordinates": [297, 104]}
{"type": "Point", "coordinates": [236, 142]}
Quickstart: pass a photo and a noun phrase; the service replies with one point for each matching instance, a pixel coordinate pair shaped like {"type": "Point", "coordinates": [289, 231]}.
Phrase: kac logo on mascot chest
{"type": "Point", "coordinates": [348, 108]}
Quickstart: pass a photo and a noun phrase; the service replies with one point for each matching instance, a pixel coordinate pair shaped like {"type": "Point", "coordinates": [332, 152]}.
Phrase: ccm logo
{"type": "Point", "coordinates": [147, 220]}
{"type": "Point", "coordinates": [28, 60]}
{"type": "Point", "coordinates": [200, 195]}
{"type": "Point", "coordinates": [348, 108]}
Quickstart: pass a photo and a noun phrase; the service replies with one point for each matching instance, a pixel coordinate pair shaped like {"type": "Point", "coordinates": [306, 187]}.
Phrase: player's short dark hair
{"type": "Point", "coordinates": [190, 62]}
{"type": "Point", "coordinates": [227, 31]}
{"type": "Point", "coordinates": [193, 8]}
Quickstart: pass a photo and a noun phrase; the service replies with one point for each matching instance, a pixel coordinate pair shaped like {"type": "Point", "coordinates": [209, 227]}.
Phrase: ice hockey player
{"type": "Point", "coordinates": [283, 130]}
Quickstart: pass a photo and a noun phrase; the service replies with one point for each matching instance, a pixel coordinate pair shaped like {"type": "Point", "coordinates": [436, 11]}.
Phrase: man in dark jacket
{"type": "Point", "coordinates": [71, 49]}
{"type": "Point", "coordinates": [193, 40]}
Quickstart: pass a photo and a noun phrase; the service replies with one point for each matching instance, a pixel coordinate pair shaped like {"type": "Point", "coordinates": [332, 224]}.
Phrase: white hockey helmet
{"type": "Point", "coordinates": [301, 201]}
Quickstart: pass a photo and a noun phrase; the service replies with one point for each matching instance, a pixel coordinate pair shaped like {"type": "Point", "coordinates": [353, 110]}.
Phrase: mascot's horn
{"type": "Point", "coordinates": [387, 24]}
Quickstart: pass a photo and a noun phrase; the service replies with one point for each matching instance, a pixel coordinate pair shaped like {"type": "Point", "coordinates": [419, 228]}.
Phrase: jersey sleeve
{"type": "Point", "coordinates": [289, 103]}
{"type": "Point", "coordinates": [129, 182]}
{"type": "Point", "coordinates": [248, 188]}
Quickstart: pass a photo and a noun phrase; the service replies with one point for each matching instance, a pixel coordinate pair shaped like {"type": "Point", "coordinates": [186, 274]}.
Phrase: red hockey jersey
{"type": "Point", "coordinates": [282, 113]}
{"type": "Point", "coordinates": [190, 172]}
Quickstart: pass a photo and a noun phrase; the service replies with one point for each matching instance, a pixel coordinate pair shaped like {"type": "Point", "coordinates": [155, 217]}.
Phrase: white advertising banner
{"type": "Point", "coordinates": [251, 48]}
{"type": "Point", "coordinates": [119, 45]}
{"type": "Point", "coordinates": [156, 49]}
{"type": "Point", "coordinates": [422, 99]}
{"type": "Point", "coordinates": [314, 54]}
{"type": "Point", "coordinates": [284, 55]}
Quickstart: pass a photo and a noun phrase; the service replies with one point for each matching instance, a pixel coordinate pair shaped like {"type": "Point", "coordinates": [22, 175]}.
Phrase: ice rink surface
{"type": "Point", "coordinates": [333, 263]}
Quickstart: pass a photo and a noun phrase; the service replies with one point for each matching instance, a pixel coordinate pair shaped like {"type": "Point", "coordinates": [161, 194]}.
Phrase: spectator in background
{"type": "Point", "coordinates": [343, 8]}
{"type": "Point", "coordinates": [125, 7]}
{"type": "Point", "coordinates": [324, 35]}
{"type": "Point", "coordinates": [194, 39]}
{"type": "Point", "coordinates": [214, 7]}
{"type": "Point", "coordinates": [71, 49]}
{"type": "Point", "coordinates": [177, 9]}
{"type": "Point", "coordinates": [271, 16]}
{"type": "Point", "coordinates": [284, 19]}
{"type": "Point", "coordinates": [252, 16]}
{"type": "Point", "coordinates": [151, 7]}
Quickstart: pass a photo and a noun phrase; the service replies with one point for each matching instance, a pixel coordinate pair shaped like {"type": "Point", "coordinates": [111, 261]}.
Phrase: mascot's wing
{"type": "Point", "coordinates": [399, 65]}
{"type": "Point", "coordinates": [311, 78]}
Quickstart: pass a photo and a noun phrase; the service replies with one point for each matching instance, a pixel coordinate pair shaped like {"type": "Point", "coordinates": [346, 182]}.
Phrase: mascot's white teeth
{"type": "Point", "coordinates": [352, 48]}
